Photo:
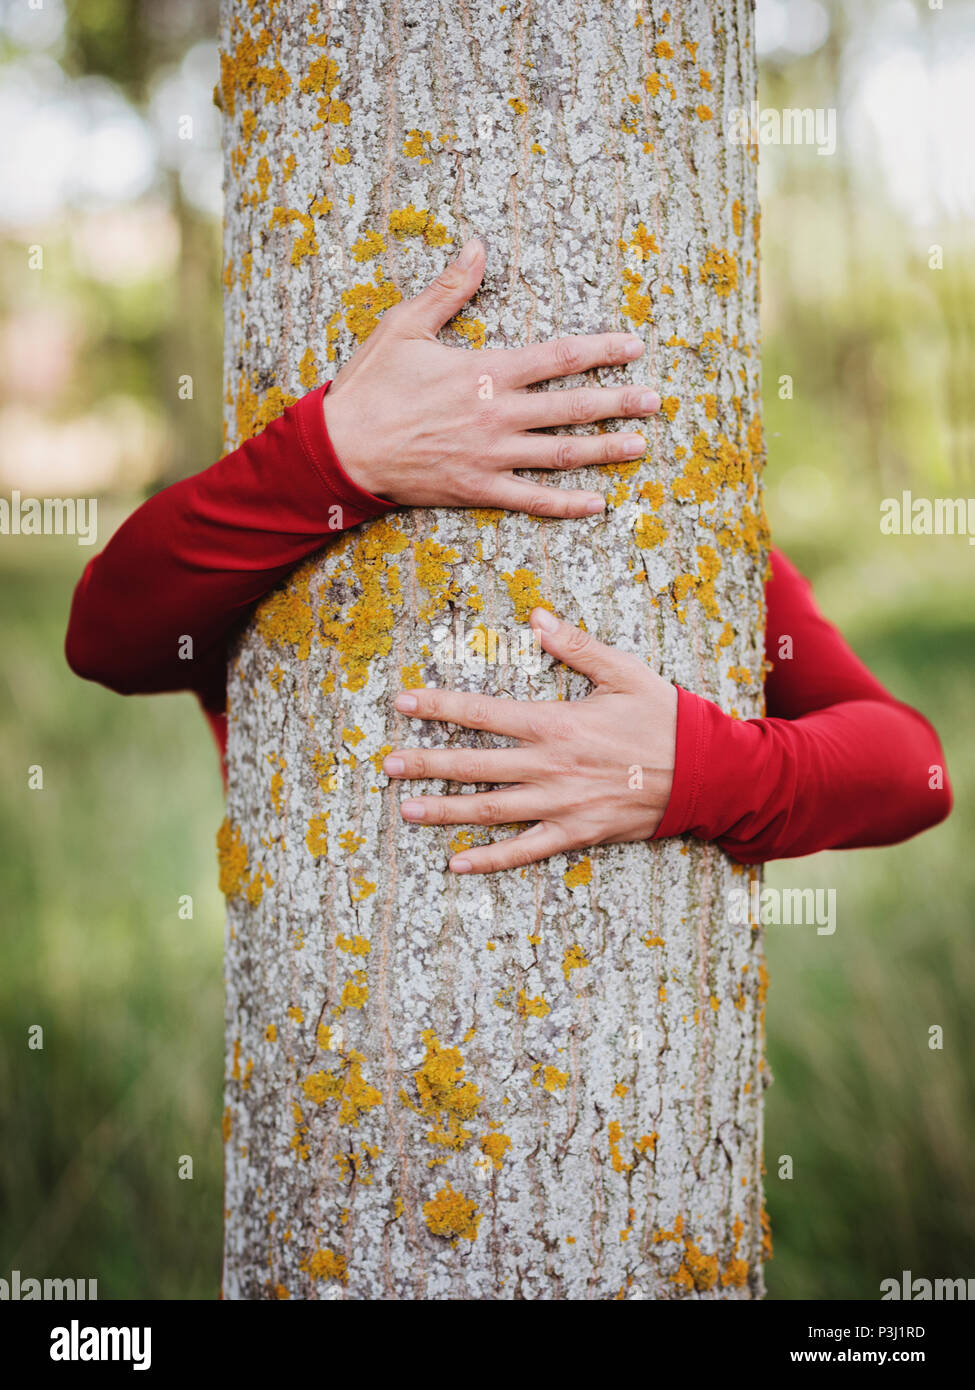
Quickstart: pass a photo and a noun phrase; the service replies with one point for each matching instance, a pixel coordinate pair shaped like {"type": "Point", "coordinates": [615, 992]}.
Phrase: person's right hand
{"type": "Point", "coordinates": [416, 422]}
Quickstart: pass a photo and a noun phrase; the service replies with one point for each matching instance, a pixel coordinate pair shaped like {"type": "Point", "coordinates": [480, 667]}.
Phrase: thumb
{"type": "Point", "coordinates": [605, 666]}
{"type": "Point", "coordinates": [449, 292]}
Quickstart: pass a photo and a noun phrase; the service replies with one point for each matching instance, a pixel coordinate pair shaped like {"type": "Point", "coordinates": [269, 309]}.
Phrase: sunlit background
{"type": "Point", "coordinates": [879, 348]}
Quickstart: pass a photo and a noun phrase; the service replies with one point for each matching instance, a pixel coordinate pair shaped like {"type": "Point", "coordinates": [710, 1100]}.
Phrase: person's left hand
{"type": "Point", "coordinates": [589, 772]}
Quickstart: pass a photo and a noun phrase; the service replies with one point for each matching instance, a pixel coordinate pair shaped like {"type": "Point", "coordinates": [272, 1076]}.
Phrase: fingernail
{"type": "Point", "coordinates": [541, 617]}
{"type": "Point", "coordinates": [406, 704]}
{"type": "Point", "coordinates": [460, 866]}
{"type": "Point", "coordinates": [635, 445]}
{"type": "Point", "coordinates": [466, 257]}
{"type": "Point", "coordinates": [411, 810]}
{"type": "Point", "coordinates": [633, 348]}
{"type": "Point", "coordinates": [596, 504]}
{"type": "Point", "coordinates": [394, 766]}
{"type": "Point", "coordinates": [649, 401]}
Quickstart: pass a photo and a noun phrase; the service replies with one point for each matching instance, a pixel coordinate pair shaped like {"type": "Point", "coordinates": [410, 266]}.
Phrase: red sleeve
{"type": "Point", "coordinates": [837, 764]}
{"type": "Point", "coordinates": [194, 559]}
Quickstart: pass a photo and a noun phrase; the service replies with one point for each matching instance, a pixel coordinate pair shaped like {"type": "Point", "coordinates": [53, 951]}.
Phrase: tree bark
{"type": "Point", "coordinates": [545, 1083]}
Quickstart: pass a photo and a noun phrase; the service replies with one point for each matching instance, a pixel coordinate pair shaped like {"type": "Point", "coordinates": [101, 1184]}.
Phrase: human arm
{"type": "Point", "coordinates": [412, 429]}
{"type": "Point", "coordinates": [839, 763]}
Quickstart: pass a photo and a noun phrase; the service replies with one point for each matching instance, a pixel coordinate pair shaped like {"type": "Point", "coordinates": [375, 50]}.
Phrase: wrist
{"type": "Point", "coordinates": [343, 435]}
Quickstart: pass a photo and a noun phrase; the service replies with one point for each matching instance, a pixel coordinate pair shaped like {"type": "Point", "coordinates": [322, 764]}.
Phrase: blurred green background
{"type": "Point", "coordinates": [879, 349]}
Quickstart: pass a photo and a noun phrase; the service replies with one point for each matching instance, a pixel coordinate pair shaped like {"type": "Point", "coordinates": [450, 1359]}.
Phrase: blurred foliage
{"type": "Point", "coordinates": [130, 996]}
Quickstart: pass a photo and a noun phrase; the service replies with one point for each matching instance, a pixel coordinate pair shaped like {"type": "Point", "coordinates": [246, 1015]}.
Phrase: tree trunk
{"type": "Point", "coordinates": [545, 1083]}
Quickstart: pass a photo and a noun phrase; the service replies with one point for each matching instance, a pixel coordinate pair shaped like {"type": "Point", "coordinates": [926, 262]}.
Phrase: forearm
{"type": "Point", "coordinates": [155, 610]}
{"type": "Point", "coordinates": [855, 774]}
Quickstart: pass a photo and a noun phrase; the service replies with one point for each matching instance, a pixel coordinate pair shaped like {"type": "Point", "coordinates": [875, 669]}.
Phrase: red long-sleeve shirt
{"type": "Point", "coordinates": [837, 763]}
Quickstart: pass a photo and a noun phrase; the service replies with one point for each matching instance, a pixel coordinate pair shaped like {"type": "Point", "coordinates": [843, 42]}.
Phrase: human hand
{"type": "Point", "coordinates": [589, 772]}
{"type": "Point", "coordinates": [409, 422]}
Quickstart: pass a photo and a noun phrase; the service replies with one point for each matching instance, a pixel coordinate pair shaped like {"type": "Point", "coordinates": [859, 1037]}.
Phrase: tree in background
{"type": "Point", "coordinates": [545, 1083]}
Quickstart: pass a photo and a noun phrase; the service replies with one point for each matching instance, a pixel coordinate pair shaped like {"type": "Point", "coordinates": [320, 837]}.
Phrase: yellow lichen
{"type": "Point", "coordinates": [285, 617]}
{"type": "Point", "coordinates": [720, 269]}
{"type": "Point", "coordinates": [355, 945]}
{"type": "Point", "coordinates": [573, 959]}
{"type": "Point", "coordinates": [365, 302]}
{"type": "Point", "coordinates": [495, 1146]}
{"type": "Point", "coordinates": [443, 1093]}
{"type": "Point", "coordinates": [369, 245]}
{"type": "Point", "coordinates": [416, 145]}
{"type": "Point", "coordinates": [702, 1268]}
{"type": "Point", "coordinates": [525, 593]}
{"type": "Point", "coordinates": [316, 836]}
{"type": "Point", "coordinates": [353, 1090]}
{"type": "Point", "coordinates": [241, 71]}
{"type": "Point", "coordinates": [232, 860]}
{"type": "Point", "coordinates": [308, 370]}
{"type": "Point", "coordinates": [355, 992]}
{"type": "Point", "coordinates": [579, 874]}
{"type": "Point", "coordinates": [252, 414]}
{"type": "Point", "coordinates": [433, 562]}
{"type": "Point", "coordinates": [643, 243]}
{"type": "Point", "coordinates": [636, 305]}
{"type": "Point", "coordinates": [554, 1080]}
{"type": "Point", "coordinates": [650, 531]}
{"type": "Point", "coordinates": [531, 1008]}
{"type": "Point", "coordinates": [363, 888]}
{"type": "Point", "coordinates": [414, 221]}
{"type": "Point", "coordinates": [304, 245]}
{"type": "Point", "coordinates": [323, 1264]}
{"type": "Point", "coordinates": [367, 629]}
{"type": "Point", "coordinates": [451, 1214]}
{"type": "Point", "coordinates": [473, 330]}
{"type": "Point", "coordinates": [615, 1134]}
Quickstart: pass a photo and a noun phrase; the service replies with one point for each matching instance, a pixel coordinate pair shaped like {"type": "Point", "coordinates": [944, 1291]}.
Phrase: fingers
{"type": "Point", "coordinates": [510, 718]}
{"type": "Point", "coordinates": [566, 356]}
{"type": "Point", "coordinates": [520, 495]}
{"type": "Point", "coordinates": [537, 842]}
{"type": "Point", "coordinates": [605, 666]}
{"type": "Point", "coordinates": [468, 766]}
{"type": "Point", "coordinates": [447, 294]}
{"type": "Point", "coordinates": [573, 450]}
{"type": "Point", "coordinates": [534, 410]}
{"type": "Point", "coordinates": [475, 808]}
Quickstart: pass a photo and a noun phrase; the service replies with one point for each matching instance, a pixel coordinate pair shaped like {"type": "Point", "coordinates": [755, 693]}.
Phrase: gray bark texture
{"type": "Point", "coordinates": [546, 1083]}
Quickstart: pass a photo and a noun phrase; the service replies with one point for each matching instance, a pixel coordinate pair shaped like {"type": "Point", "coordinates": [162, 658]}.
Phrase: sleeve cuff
{"type": "Point", "coordinates": [721, 771]}
{"type": "Point", "coordinates": [689, 761]}
{"type": "Point", "coordinates": [309, 418]}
